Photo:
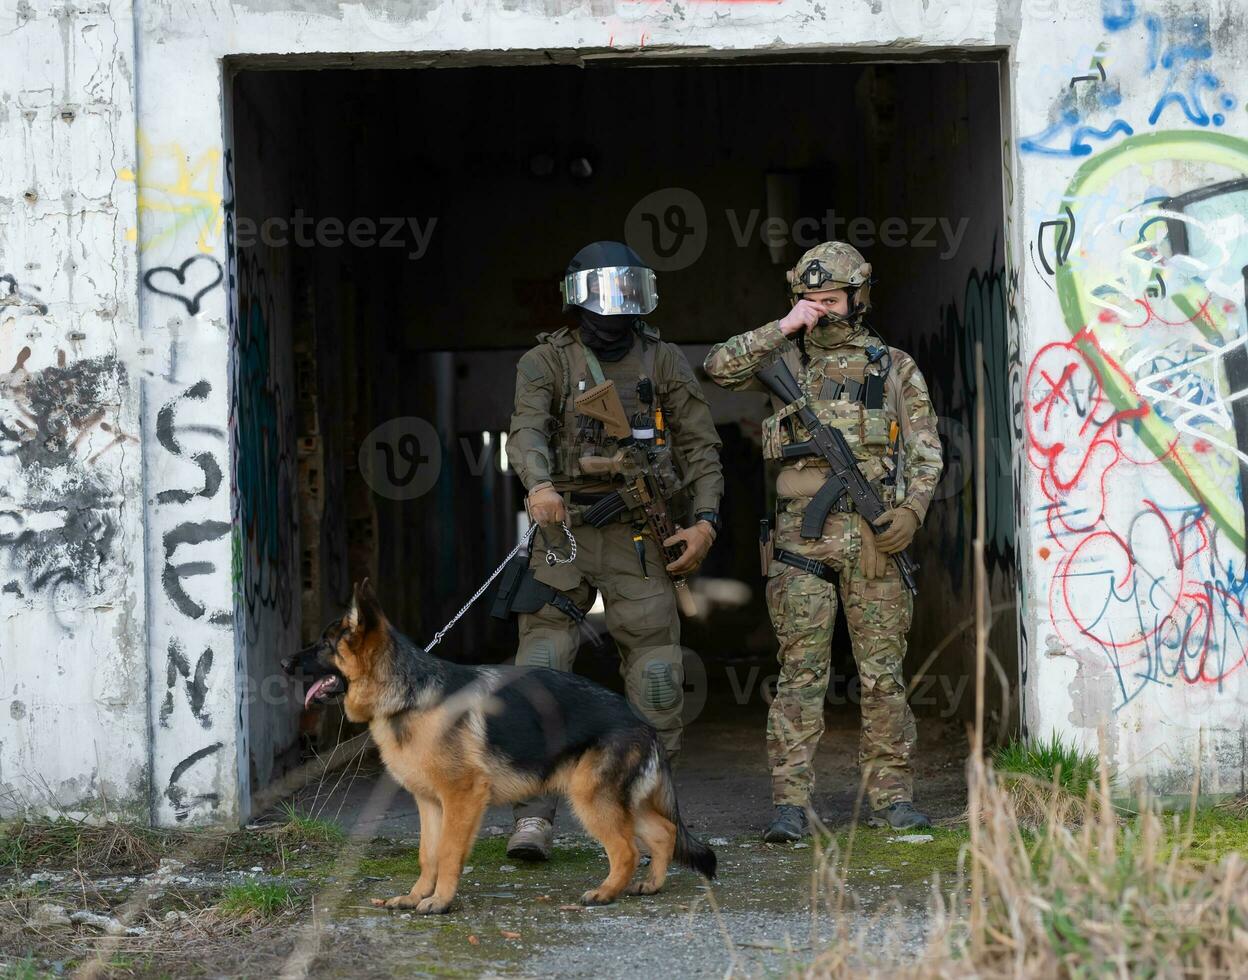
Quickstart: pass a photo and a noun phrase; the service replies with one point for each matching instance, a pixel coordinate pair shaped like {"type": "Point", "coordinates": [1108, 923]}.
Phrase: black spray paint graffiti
{"type": "Point", "coordinates": [196, 685]}
{"type": "Point", "coordinates": [191, 533]}
{"type": "Point", "coordinates": [13, 294]}
{"type": "Point", "coordinates": [181, 801]}
{"type": "Point", "coordinates": [188, 283]}
{"type": "Point", "coordinates": [165, 424]}
{"type": "Point", "coordinates": [1063, 236]}
{"type": "Point", "coordinates": [63, 530]}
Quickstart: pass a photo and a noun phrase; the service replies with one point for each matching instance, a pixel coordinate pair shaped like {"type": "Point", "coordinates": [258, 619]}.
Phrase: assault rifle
{"type": "Point", "coordinates": [647, 481]}
{"type": "Point", "coordinates": [845, 478]}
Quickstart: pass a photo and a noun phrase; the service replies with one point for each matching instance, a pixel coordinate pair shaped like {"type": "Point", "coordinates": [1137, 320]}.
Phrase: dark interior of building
{"type": "Point", "coordinates": [399, 238]}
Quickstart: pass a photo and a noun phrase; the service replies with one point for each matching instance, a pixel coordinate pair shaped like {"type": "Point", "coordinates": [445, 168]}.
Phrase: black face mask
{"type": "Point", "coordinates": [610, 337]}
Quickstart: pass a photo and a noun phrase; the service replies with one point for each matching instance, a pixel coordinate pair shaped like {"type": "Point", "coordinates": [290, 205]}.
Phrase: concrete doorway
{"type": "Point", "coordinates": [397, 237]}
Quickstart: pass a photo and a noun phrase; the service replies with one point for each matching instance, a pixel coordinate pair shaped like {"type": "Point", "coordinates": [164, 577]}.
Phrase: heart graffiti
{"type": "Point", "coordinates": [205, 279]}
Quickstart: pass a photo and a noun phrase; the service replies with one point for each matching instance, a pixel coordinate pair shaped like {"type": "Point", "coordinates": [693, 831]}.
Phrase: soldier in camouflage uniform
{"type": "Point", "coordinates": [876, 396]}
{"type": "Point", "coordinates": [608, 288]}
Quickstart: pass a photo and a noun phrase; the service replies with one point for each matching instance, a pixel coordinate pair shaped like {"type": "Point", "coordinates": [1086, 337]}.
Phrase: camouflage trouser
{"type": "Point", "coordinates": [803, 612]}
{"type": "Point", "coordinates": [641, 617]}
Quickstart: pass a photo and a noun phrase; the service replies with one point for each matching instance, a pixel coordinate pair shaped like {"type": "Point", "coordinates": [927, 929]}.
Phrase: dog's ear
{"type": "Point", "coordinates": [365, 613]}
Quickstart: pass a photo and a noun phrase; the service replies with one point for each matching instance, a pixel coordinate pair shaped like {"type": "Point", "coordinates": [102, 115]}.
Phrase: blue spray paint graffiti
{"type": "Point", "coordinates": [1178, 49]}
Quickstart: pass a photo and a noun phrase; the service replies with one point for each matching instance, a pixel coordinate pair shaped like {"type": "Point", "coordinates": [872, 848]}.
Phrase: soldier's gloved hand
{"type": "Point", "coordinates": [546, 505]}
{"type": "Point", "coordinates": [902, 523]}
{"type": "Point", "coordinates": [698, 540]}
{"type": "Point", "coordinates": [803, 315]}
{"type": "Point", "coordinates": [871, 560]}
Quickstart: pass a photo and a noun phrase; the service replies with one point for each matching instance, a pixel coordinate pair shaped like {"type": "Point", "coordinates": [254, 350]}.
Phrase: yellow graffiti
{"type": "Point", "coordinates": [176, 193]}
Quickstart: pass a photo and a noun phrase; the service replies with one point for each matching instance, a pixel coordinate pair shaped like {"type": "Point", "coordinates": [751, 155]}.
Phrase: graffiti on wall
{"type": "Point", "coordinates": [179, 197]}
{"type": "Point", "coordinates": [1172, 52]}
{"type": "Point", "coordinates": [187, 283]}
{"type": "Point", "coordinates": [264, 511]}
{"type": "Point", "coordinates": [1135, 424]}
{"type": "Point", "coordinates": [186, 530]}
{"type": "Point", "coordinates": [58, 510]}
{"type": "Point", "coordinates": [977, 315]}
{"type": "Point", "coordinates": [180, 210]}
{"type": "Point", "coordinates": [24, 299]}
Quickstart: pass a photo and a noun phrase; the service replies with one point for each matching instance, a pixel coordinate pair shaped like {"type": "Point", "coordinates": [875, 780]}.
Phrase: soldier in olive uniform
{"type": "Point", "coordinates": [609, 289]}
{"type": "Point", "coordinates": [876, 396]}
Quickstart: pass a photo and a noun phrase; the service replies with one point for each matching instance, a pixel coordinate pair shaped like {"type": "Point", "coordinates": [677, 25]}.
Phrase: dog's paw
{"type": "Point", "coordinates": [597, 897]}
{"type": "Point", "coordinates": [433, 906]}
{"type": "Point", "coordinates": [643, 888]}
{"type": "Point", "coordinates": [407, 901]}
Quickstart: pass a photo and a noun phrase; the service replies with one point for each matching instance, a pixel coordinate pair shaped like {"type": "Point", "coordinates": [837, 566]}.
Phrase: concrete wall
{"type": "Point", "coordinates": [1132, 502]}
{"type": "Point", "coordinates": [73, 594]}
{"type": "Point", "coordinates": [123, 554]}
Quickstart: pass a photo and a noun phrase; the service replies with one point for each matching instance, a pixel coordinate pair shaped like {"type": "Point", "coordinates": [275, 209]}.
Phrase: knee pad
{"type": "Point", "coordinates": [540, 653]}
{"type": "Point", "coordinates": [659, 690]}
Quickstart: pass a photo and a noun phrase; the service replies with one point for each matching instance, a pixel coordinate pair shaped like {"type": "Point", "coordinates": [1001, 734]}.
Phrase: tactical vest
{"type": "Point", "coordinates": [574, 436]}
{"type": "Point", "coordinates": [849, 393]}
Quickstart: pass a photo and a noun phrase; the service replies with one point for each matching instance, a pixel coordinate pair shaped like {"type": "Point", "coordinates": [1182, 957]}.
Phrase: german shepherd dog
{"type": "Point", "coordinates": [460, 737]}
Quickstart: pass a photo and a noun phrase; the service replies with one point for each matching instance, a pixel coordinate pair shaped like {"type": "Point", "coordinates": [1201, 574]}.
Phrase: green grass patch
{"type": "Point", "coordinates": [261, 898]}
{"type": "Point", "coordinates": [1215, 833]}
{"type": "Point", "coordinates": [300, 828]}
{"type": "Point", "coordinates": [875, 857]}
{"type": "Point", "coordinates": [24, 969]}
{"type": "Point", "coordinates": [1074, 770]}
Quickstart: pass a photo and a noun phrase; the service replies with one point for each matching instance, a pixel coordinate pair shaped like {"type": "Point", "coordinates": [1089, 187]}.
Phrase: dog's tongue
{"type": "Point", "coordinates": [317, 688]}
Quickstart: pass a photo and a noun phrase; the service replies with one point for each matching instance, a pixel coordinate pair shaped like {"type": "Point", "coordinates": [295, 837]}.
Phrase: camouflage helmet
{"type": "Point", "coordinates": [833, 265]}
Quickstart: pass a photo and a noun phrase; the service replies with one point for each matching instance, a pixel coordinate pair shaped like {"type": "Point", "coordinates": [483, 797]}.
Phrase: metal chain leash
{"type": "Point", "coordinates": [550, 555]}
{"type": "Point", "coordinates": [528, 536]}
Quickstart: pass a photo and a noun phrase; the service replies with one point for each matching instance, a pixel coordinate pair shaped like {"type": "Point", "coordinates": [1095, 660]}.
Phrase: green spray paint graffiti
{"type": "Point", "coordinates": [1121, 293]}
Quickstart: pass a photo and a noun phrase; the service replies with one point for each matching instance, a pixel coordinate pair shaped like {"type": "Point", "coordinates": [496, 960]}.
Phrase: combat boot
{"type": "Point", "coordinates": [787, 826]}
{"type": "Point", "coordinates": [531, 840]}
{"type": "Point", "coordinates": [900, 816]}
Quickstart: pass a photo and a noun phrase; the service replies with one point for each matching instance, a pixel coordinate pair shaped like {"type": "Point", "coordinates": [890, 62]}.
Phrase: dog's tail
{"type": "Point", "coordinates": [690, 851]}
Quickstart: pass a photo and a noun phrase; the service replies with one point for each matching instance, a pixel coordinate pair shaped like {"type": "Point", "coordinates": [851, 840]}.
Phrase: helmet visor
{"type": "Point", "coordinates": [611, 290]}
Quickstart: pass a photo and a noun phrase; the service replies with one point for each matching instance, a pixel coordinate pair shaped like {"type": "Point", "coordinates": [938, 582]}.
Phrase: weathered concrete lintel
{"type": "Point", "coordinates": [656, 56]}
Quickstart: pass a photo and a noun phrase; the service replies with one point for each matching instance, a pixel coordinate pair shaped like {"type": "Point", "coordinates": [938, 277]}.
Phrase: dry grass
{"type": "Point", "coordinates": [1106, 898]}
{"type": "Point", "coordinates": [1037, 803]}
{"type": "Point", "coordinates": [89, 848]}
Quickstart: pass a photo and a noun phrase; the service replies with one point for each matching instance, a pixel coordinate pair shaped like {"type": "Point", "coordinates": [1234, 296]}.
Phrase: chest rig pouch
{"type": "Point", "coordinates": [857, 406]}
{"type": "Point", "coordinates": [577, 437]}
